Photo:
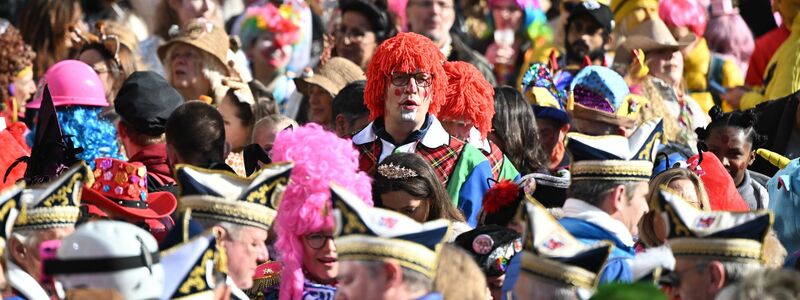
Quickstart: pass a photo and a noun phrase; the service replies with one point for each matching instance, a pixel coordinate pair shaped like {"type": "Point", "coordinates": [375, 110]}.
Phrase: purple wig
{"type": "Point", "coordinates": [687, 13]}
{"type": "Point", "coordinates": [728, 34]}
{"type": "Point", "coordinates": [319, 157]}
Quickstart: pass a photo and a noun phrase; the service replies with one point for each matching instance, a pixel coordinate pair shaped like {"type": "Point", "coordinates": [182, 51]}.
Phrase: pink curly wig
{"type": "Point", "coordinates": [469, 96]}
{"type": "Point", "coordinates": [319, 157]}
{"type": "Point", "coordinates": [686, 13]}
{"type": "Point", "coordinates": [729, 34]}
{"type": "Point", "coordinates": [405, 52]}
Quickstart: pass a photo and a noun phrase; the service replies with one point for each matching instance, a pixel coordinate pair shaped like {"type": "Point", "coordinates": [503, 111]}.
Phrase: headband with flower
{"type": "Point", "coordinates": [283, 21]}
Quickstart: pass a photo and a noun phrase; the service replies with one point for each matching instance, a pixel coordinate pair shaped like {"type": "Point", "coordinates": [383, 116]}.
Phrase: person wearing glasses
{"type": "Point", "coordinates": [112, 55]}
{"type": "Point", "coordinates": [434, 19]}
{"type": "Point", "coordinates": [305, 218]}
{"type": "Point", "coordinates": [406, 88]}
{"type": "Point", "coordinates": [364, 26]}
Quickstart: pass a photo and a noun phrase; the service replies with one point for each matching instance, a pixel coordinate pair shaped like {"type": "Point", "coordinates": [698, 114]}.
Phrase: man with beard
{"type": "Point", "coordinates": [588, 35]}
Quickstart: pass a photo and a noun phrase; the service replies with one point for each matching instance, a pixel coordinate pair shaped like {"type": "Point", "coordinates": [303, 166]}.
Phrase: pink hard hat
{"type": "Point", "coordinates": [71, 82]}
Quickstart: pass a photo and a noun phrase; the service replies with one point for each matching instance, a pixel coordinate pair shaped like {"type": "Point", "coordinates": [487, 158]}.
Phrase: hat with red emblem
{"type": "Point", "coordinates": [718, 235]}
{"type": "Point", "coordinates": [121, 188]}
{"type": "Point", "coordinates": [551, 252]}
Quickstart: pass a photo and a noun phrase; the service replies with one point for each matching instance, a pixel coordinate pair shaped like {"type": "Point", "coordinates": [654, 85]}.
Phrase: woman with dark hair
{"type": "Point", "coordinates": [407, 184]}
{"type": "Point", "coordinates": [514, 130]}
{"type": "Point", "coordinates": [49, 27]}
{"type": "Point", "coordinates": [363, 26]}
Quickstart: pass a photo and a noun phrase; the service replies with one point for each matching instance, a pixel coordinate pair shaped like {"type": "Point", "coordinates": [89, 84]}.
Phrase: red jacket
{"type": "Point", "coordinates": [154, 157]}
{"type": "Point", "coordinates": [766, 46]}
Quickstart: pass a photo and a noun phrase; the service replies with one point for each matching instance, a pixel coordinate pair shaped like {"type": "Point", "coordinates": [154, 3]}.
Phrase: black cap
{"type": "Point", "coordinates": [492, 246]}
{"type": "Point", "coordinates": [145, 102]}
{"type": "Point", "coordinates": [599, 12]}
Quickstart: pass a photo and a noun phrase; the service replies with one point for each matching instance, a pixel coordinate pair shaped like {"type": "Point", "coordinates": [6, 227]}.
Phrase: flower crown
{"type": "Point", "coordinates": [392, 171]}
{"type": "Point", "coordinates": [283, 21]}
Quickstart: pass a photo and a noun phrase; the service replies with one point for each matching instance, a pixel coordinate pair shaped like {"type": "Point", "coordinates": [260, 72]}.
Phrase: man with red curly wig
{"type": "Point", "coordinates": [468, 113]}
{"type": "Point", "coordinates": [406, 88]}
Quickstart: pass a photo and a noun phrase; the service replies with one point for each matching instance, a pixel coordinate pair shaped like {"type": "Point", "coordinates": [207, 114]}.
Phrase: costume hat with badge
{"type": "Point", "coordinates": [55, 204]}
{"type": "Point", "coordinates": [551, 252]}
{"type": "Point", "coordinates": [226, 197]}
{"type": "Point", "coordinates": [110, 255]}
{"type": "Point", "coordinates": [613, 157]}
{"type": "Point", "coordinates": [121, 187]}
{"type": "Point", "coordinates": [600, 94]}
{"type": "Point", "coordinates": [715, 235]}
{"type": "Point", "coordinates": [11, 206]}
{"type": "Point", "coordinates": [492, 246]}
{"type": "Point", "coordinates": [196, 268]}
{"type": "Point", "coordinates": [366, 233]}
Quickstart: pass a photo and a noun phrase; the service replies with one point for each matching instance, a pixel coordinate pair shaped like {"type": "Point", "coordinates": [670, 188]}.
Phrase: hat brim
{"type": "Point", "coordinates": [587, 113]}
{"type": "Point", "coordinates": [162, 50]}
{"type": "Point", "coordinates": [303, 84]}
{"type": "Point", "coordinates": [648, 44]}
{"type": "Point", "coordinates": [159, 204]}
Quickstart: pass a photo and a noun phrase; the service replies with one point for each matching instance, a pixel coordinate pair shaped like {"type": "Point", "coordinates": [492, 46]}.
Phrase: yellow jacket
{"type": "Point", "coordinates": [695, 72]}
{"type": "Point", "coordinates": [785, 78]}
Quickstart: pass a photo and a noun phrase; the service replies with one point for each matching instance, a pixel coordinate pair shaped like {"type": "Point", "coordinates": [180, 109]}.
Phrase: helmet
{"type": "Point", "coordinates": [71, 82]}
{"type": "Point", "coordinates": [128, 254]}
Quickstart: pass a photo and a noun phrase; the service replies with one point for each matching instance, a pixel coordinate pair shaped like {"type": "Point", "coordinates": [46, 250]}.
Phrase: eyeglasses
{"type": "Point", "coordinates": [318, 240]}
{"type": "Point", "coordinates": [673, 279]}
{"type": "Point", "coordinates": [356, 35]}
{"type": "Point", "coordinates": [422, 79]}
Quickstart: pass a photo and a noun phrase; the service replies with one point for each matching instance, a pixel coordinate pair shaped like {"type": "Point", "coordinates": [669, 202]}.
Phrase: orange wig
{"type": "Point", "coordinates": [405, 52]}
{"type": "Point", "coordinates": [469, 96]}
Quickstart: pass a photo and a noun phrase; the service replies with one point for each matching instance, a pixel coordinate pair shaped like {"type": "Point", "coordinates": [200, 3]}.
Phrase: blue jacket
{"type": "Point", "coordinates": [618, 267]}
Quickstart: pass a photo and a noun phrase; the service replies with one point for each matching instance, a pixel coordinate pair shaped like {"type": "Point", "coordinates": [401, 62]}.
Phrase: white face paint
{"type": "Point", "coordinates": [408, 115]}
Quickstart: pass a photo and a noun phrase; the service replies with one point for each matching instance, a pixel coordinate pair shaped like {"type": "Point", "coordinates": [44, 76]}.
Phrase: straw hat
{"type": "Point", "coordinates": [204, 35]}
{"type": "Point", "coordinates": [332, 76]}
{"type": "Point", "coordinates": [653, 34]}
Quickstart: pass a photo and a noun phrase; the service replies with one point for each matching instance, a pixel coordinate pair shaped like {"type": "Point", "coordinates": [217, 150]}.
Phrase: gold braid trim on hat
{"type": "Point", "coordinates": [49, 217]}
{"type": "Point", "coordinates": [726, 249]}
{"type": "Point", "coordinates": [628, 170]}
{"type": "Point", "coordinates": [551, 269]}
{"type": "Point", "coordinates": [234, 211]}
{"type": "Point", "coordinates": [392, 171]}
{"type": "Point", "coordinates": [408, 254]}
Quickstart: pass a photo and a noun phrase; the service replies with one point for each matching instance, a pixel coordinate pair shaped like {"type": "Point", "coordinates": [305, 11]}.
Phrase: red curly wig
{"type": "Point", "coordinates": [406, 52]}
{"type": "Point", "coordinates": [469, 96]}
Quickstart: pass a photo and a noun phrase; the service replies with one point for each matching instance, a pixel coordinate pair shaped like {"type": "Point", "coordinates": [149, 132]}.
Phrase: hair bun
{"type": "Point", "coordinates": [715, 113]}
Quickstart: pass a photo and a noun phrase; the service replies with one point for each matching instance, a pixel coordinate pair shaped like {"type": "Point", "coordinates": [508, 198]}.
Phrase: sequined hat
{"type": "Point", "coordinates": [600, 94]}
{"type": "Point", "coordinates": [551, 252]}
{"type": "Point", "coordinates": [54, 204]}
{"type": "Point", "coordinates": [195, 267]}
{"type": "Point", "coordinates": [720, 235]}
{"type": "Point", "coordinates": [613, 157]}
{"type": "Point", "coordinates": [492, 247]}
{"type": "Point", "coordinates": [366, 233]}
{"type": "Point", "coordinates": [121, 187]}
{"type": "Point", "coordinates": [227, 197]}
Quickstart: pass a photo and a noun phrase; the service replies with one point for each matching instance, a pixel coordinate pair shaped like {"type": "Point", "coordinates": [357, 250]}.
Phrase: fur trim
{"type": "Point", "coordinates": [469, 96]}
{"type": "Point", "coordinates": [406, 52]}
{"type": "Point", "coordinates": [499, 196]}
{"type": "Point", "coordinates": [319, 158]}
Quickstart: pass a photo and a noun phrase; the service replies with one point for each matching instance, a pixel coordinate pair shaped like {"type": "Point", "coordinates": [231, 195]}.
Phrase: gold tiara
{"type": "Point", "coordinates": [396, 172]}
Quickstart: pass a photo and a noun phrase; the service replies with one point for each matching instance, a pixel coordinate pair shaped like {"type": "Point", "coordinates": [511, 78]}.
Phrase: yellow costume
{"type": "Point", "coordinates": [783, 72]}
{"type": "Point", "coordinates": [695, 72]}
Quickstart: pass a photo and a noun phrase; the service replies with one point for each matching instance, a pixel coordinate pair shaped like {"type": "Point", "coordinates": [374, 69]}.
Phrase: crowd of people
{"type": "Point", "coordinates": [400, 149]}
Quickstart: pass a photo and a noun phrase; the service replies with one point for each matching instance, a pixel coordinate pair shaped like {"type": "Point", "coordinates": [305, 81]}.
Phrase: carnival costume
{"type": "Point", "coordinates": [319, 158]}
{"type": "Point", "coordinates": [609, 158]}
{"type": "Point", "coordinates": [471, 98]}
{"type": "Point", "coordinates": [462, 168]}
